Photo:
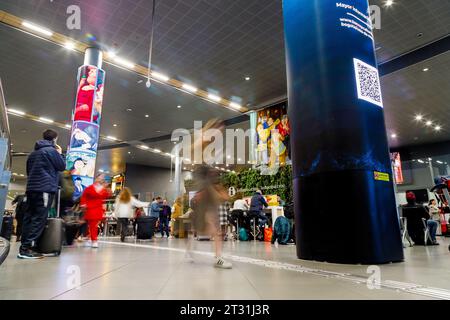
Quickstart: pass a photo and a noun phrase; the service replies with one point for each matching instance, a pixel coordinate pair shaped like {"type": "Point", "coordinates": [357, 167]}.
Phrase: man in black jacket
{"type": "Point", "coordinates": [43, 165]}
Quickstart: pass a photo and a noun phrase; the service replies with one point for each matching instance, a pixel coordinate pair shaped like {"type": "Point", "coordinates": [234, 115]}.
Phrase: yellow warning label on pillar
{"type": "Point", "coordinates": [381, 176]}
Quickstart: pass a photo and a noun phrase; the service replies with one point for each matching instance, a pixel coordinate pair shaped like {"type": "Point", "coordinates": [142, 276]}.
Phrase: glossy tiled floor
{"type": "Point", "coordinates": [159, 270]}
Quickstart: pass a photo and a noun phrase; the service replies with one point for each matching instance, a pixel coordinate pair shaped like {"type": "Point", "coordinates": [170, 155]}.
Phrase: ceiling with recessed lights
{"type": "Point", "coordinates": [214, 45]}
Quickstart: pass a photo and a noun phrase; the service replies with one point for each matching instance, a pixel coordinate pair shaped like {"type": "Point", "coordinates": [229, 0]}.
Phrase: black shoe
{"type": "Point", "coordinates": [122, 238]}
{"type": "Point", "coordinates": [29, 254]}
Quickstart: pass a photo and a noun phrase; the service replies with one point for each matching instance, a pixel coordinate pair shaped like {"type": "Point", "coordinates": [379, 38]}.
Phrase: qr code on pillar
{"type": "Point", "coordinates": [368, 82]}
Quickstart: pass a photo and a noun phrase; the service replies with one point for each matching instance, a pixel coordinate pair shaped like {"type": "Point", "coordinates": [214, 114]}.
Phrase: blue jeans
{"type": "Point", "coordinates": [164, 225]}
{"type": "Point", "coordinates": [432, 226]}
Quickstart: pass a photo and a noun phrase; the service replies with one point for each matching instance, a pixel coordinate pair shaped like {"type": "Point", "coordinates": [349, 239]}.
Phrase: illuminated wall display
{"type": "Point", "coordinates": [338, 135]}
{"type": "Point", "coordinates": [86, 116]}
{"type": "Point", "coordinates": [397, 167]}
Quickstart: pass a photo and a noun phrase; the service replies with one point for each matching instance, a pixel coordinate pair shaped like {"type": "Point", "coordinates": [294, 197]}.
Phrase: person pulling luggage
{"type": "Point", "coordinates": [43, 165]}
{"type": "Point", "coordinates": [123, 210]}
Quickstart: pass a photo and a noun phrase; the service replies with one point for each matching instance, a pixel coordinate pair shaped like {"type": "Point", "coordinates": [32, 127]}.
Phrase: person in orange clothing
{"type": "Point", "coordinates": [92, 202]}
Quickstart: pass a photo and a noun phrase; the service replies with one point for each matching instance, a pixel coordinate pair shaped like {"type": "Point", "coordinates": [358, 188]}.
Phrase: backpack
{"type": "Point", "coordinates": [243, 236]}
{"type": "Point", "coordinates": [282, 230]}
{"type": "Point", "coordinates": [67, 186]}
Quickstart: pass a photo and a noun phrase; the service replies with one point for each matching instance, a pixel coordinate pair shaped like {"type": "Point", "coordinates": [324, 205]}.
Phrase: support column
{"type": "Point", "coordinates": [86, 118]}
{"type": "Point", "coordinates": [343, 192]}
{"type": "Point", "coordinates": [178, 171]}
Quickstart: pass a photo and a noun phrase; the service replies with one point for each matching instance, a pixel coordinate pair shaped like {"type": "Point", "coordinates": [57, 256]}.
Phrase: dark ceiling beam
{"type": "Point", "coordinates": [415, 56]}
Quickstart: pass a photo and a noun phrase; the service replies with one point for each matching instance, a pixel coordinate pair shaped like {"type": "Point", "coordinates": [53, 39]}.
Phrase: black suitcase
{"type": "Point", "coordinates": [51, 240]}
{"type": "Point", "coordinates": [145, 228]}
{"type": "Point", "coordinates": [7, 227]}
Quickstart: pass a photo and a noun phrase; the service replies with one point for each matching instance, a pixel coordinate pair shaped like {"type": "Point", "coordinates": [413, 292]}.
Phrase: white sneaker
{"type": "Point", "coordinates": [88, 243]}
{"type": "Point", "coordinates": [94, 244]}
{"type": "Point", "coordinates": [221, 263]}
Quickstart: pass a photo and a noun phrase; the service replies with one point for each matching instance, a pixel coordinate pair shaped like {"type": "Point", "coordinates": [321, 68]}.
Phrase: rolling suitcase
{"type": "Point", "coordinates": [51, 240]}
{"type": "Point", "coordinates": [145, 228]}
{"type": "Point", "coordinates": [7, 227]}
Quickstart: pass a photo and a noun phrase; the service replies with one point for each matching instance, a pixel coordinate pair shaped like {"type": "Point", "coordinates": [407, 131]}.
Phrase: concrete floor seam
{"type": "Point", "coordinates": [411, 288]}
{"type": "Point", "coordinates": [91, 280]}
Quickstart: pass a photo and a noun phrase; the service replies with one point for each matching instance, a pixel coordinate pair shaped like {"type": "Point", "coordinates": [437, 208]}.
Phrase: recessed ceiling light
{"type": "Point", "coordinates": [425, 69]}
{"type": "Point", "coordinates": [419, 117]}
{"type": "Point", "coordinates": [140, 81]}
{"type": "Point", "coordinates": [389, 3]}
{"type": "Point", "coordinates": [247, 78]}
{"type": "Point", "coordinates": [184, 168]}
{"type": "Point", "coordinates": [235, 105]}
{"type": "Point", "coordinates": [129, 109]}
{"type": "Point", "coordinates": [190, 88]}
{"type": "Point", "coordinates": [129, 152]}
{"type": "Point", "coordinates": [393, 136]}
{"type": "Point", "coordinates": [69, 46]}
{"type": "Point", "coordinates": [37, 28]}
{"type": "Point", "coordinates": [421, 161]}
{"type": "Point", "coordinates": [16, 111]}
{"type": "Point", "coordinates": [438, 128]}
{"type": "Point", "coordinates": [114, 125]}
{"type": "Point", "coordinates": [179, 107]}
{"type": "Point", "coordinates": [160, 76]}
{"type": "Point", "coordinates": [429, 123]}
{"type": "Point", "coordinates": [46, 120]}
{"type": "Point", "coordinates": [147, 115]}
{"type": "Point", "coordinates": [124, 63]}
{"type": "Point", "coordinates": [214, 97]}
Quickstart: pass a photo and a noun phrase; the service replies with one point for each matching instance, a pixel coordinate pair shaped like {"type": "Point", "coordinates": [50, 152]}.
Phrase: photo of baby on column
{"type": "Point", "coordinates": [86, 117]}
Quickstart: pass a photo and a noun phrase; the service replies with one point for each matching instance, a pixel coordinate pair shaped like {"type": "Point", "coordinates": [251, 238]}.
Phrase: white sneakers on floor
{"type": "Point", "coordinates": [91, 244]}
{"type": "Point", "coordinates": [222, 264]}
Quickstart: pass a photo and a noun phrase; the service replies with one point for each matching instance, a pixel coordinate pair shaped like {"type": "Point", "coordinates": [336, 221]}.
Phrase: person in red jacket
{"type": "Point", "coordinates": [92, 202]}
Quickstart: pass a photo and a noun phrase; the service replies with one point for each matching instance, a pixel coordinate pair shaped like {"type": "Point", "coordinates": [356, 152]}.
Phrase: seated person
{"type": "Point", "coordinates": [257, 205]}
{"type": "Point", "coordinates": [414, 213]}
{"type": "Point", "coordinates": [240, 204]}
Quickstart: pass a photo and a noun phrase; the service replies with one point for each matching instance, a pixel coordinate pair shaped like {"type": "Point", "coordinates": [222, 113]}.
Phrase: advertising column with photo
{"type": "Point", "coordinates": [86, 118]}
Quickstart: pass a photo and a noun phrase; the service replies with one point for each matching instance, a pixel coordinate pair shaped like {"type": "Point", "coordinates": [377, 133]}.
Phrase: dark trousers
{"type": "Point", "coordinates": [19, 226]}
{"type": "Point", "coordinates": [164, 225]}
{"type": "Point", "coordinates": [35, 217]}
{"type": "Point", "coordinates": [123, 226]}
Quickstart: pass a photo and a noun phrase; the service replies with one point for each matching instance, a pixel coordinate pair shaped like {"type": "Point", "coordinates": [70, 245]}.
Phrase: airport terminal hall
{"type": "Point", "coordinates": [224, 150]}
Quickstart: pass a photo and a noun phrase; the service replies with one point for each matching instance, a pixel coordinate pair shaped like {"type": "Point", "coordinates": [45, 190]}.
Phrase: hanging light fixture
{"type": "Point", "coordinates": [149, 84]}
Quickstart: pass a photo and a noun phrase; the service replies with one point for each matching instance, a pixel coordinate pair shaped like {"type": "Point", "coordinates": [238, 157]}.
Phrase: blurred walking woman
{"type": "Point", "coordinates": [207, 200]}
{"type": "Point", "coordinates": [92, 202]}
{"type": "Point", "coordinates": [124, 210]}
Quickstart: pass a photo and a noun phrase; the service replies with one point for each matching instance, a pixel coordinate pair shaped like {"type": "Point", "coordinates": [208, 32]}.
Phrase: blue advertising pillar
{"type": "Point", "coordinates": [343, 193]}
